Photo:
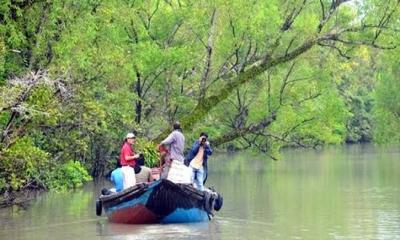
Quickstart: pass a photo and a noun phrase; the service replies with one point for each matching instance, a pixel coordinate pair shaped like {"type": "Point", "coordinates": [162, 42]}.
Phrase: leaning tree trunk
{"type": "Point", "coordinates": [205, 105]}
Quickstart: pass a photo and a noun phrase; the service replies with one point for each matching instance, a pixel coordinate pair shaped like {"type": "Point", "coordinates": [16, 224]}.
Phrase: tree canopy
{"type": "Point", "coordinates": [75, 76]}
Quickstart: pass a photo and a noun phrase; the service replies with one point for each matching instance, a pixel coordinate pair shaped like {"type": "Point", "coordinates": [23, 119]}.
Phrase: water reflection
{"type": "Point", "coordinates": [192, 231]}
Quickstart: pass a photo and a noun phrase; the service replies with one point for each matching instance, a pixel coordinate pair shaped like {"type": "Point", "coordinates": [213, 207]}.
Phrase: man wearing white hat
{"type": "Point", "coordinates": [128, 156]}
{"type": "Point", "coordinates": [123, 177]}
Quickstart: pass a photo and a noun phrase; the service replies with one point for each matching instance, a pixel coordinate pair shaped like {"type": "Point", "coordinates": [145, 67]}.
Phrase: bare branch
{"type": "Point", "coordinates": [169, 40]}
{"type": "Point", "coordinates": [198, 36]}
{"type": "Point", "coordinates": [146, 89]}
{"type": "Point", "coordinates": [224, 67]}
{"type": "Point", "coordinates": [379, 27]}
{"type": "Point", "coordinates": [289, 142]}
{"type": "Point", "coordinates": [290, 45]}
{"type": "Point", "coordinates": [322, 8]}
{"type": "Point", "coordinates": [147, 22]}
{"type": "Point", "coordinates": [364, 43]}
{"type": "Point", "coordinates": [292, 17]}
{"type": "Point", "coordinates": [341, 53]}
{"type": "Point", "coordinates": [132, 33]}
{"type": "Point", "coordinates": [154, 11]}
{"type": "Point", "coordinates": [269, 92]}
{"type": "Point", "coordinates": [334, 6]}
{"type": "Point", "coordinates": [252, 128]}
{"type": "Point", "coordinates": [284, 83]}
{"type": "Point", "coordinates": [209, 49]}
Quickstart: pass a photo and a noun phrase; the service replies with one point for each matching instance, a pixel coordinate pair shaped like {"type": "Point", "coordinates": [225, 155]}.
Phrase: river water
{"type": "Point", "coordinates": [349, 192]}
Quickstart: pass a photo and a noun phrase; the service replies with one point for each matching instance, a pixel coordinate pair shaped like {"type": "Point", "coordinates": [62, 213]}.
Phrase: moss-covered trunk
{"type": "Point", "coordinates": [205, 105]}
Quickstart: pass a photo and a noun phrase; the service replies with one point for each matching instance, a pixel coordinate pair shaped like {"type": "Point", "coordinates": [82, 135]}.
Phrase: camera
{"type": "Point", "coordinates": [203, 141]}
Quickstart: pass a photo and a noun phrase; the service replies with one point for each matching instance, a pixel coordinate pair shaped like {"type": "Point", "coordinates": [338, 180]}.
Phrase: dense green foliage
{"type": "Point", "coordinates": [149, 151]}
{"type": "Point", "coordinates": [26, 166]}
{"type": "Point", "coordinates": [76, 76]}
{"type": "Point", "coordinates": [68, 176]}
{"type": "Point", "coordinates": [387, 107]}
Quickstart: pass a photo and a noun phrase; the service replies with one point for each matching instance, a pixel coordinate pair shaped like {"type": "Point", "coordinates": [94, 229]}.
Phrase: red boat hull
{"type": "Point", "coordinates": [137, 214]}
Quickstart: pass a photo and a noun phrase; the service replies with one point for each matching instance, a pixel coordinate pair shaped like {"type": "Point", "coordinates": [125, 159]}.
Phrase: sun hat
{"type": "Point", "coordinates": [130, 135]}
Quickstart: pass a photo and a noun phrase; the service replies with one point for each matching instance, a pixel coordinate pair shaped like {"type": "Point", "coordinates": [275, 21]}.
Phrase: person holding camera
{"type": "Point", "coordinates": [197, 160]}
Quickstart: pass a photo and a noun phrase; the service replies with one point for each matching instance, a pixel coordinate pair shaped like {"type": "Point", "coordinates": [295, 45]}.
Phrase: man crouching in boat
{"type": "Point", "coordinates": [142, 173]}
{"type": "Point", "coordinates": [122, 178]}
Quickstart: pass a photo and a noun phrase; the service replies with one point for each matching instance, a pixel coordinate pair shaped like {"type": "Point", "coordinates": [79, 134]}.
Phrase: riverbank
{"type": "Point", "coordinates": [20, 198]}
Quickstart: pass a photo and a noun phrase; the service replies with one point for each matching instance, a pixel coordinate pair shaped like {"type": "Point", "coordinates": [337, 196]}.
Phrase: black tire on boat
{"type": "Point", "coordinates": [212, 202]}
{"type": "Point", "coordinates": [218, 202]}
{"type": "Point", "coordinates": [208, 202]}
{"type": "Point", "coordinates": [99, 207]}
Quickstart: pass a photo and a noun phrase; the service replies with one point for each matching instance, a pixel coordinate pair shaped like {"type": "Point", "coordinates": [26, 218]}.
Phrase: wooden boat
{"type": "Point", "coordinates": [161, 201]}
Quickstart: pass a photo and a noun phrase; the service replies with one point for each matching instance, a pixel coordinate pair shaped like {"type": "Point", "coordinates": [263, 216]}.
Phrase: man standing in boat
{"type": "Point", "coordinates": [197, 160]}
{"type": "Point", "coordinates": [176, 143]}
{"type": "Point", "coordinates": [128, 156]}
{"type": "Point", "coordinates": [128, 160]}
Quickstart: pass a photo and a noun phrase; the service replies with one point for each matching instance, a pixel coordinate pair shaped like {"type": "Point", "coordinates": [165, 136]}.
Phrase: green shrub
{"type": "Point", "coordinates": [149, 150]}
{"type": "Point", "coordinates": [22, 164]}
{"type": "Point", "coordinates": [68, 176]}
{"type": "Point", "coordinates": [25, 165]}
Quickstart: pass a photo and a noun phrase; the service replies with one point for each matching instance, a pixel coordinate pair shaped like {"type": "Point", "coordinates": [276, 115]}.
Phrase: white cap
{"type": "Point", "coordinates": [130, 135]}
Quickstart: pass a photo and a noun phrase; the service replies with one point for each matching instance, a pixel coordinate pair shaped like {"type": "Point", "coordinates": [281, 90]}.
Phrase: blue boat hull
{"type": "Point", "coordinates": [161, 202]}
